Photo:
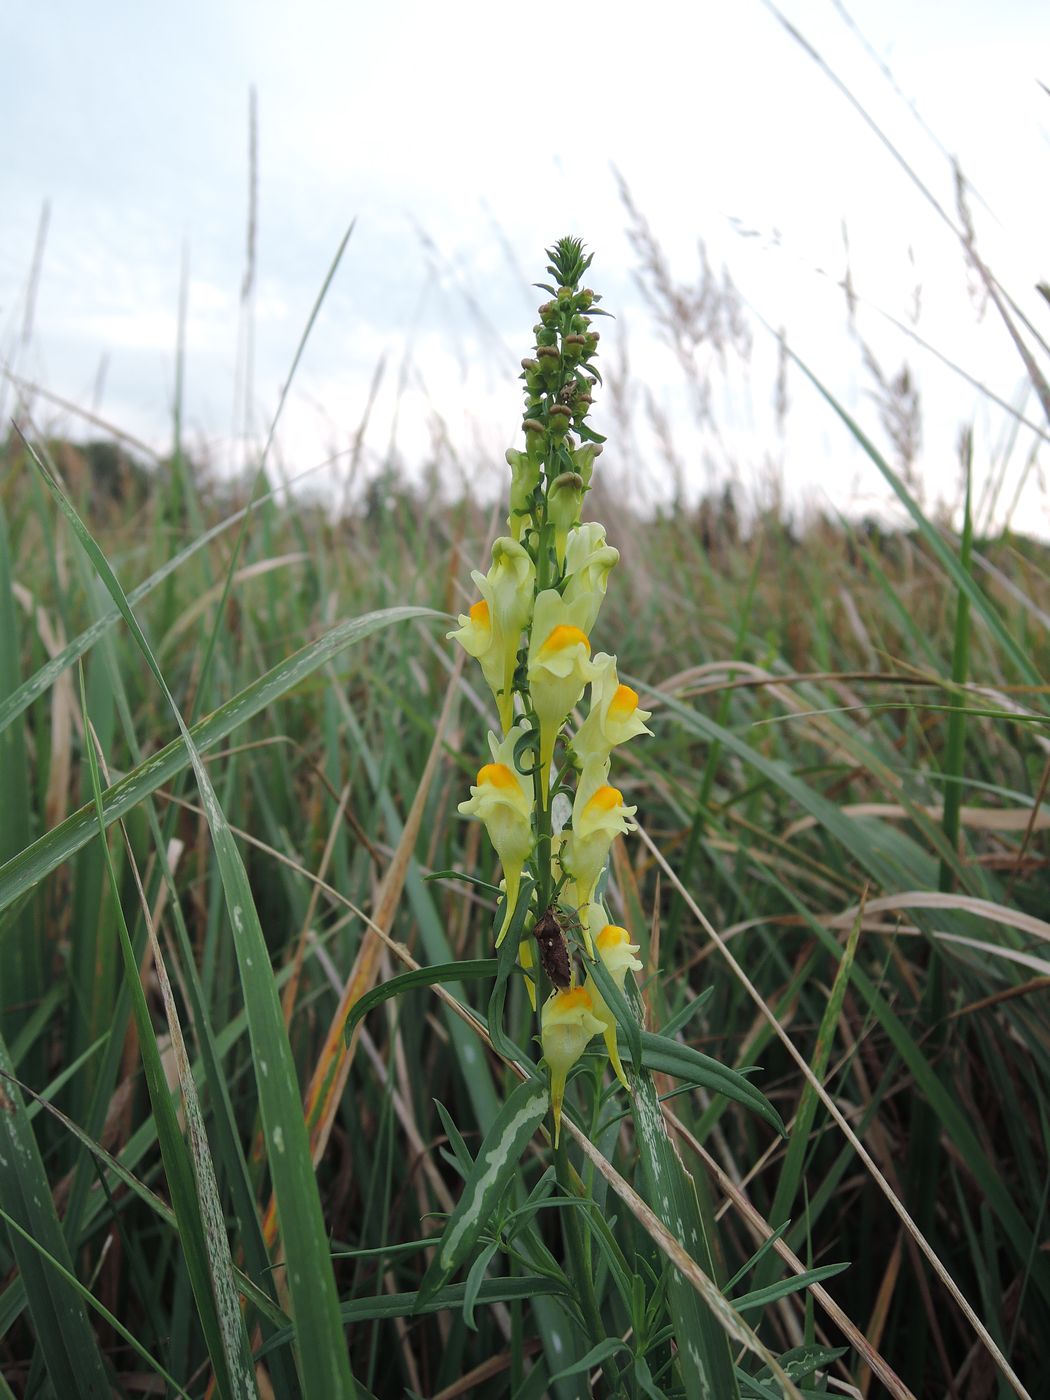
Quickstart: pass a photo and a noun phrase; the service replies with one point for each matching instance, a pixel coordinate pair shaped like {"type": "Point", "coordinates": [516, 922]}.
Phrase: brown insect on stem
{"type": "Point", "coordinates": [554, 953]}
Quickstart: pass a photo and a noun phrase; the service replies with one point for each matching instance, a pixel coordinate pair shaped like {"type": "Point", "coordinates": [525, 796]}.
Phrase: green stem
{"type": "Point", "coordinates": [579, 1258]}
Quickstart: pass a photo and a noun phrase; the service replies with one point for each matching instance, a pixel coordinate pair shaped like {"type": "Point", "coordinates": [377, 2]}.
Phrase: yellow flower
{"type": "Point", "coordinates": [614, 716]}
{"type": "Point", "coordinates": [566, 1026]}
{"type": "Point", "coordinates": [598, 815]}
{"type": "Point", "coordinates": [502, 799]}
{"type": "Point", "coordinates": [588, 563]}
{"type": "Point", "coordinates": [620, 956]}
{"type": "Point", "coordinates": [492, 631]}
{"type": "Point", "coordinates": [559, 667]}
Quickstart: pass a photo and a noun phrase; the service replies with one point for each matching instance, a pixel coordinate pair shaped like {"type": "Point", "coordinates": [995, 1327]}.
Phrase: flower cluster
{"type": "Point", "coordinates": [530, 631]}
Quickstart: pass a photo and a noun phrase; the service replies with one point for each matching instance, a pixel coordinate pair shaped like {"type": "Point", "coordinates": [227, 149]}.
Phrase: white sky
{"type": "Point", "coordinates": [463, 138]}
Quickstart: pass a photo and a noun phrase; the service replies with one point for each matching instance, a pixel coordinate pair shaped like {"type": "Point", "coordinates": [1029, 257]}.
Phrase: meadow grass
{"type": "Point", "coordinates": [229, 791]}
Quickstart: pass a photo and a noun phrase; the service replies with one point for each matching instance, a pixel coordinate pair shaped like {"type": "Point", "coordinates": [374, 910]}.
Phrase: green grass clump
{"type": "Point", "coordinates": [232, 741]}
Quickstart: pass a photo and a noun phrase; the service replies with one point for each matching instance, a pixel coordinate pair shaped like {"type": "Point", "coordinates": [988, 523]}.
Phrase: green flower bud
{"type": "Point", "coordinates": [560, 419]}
{"type": "Point", "coordinates": [583, 460]}
{"type": "Point", "coordinates": [563, 508]}
{"type": "Point", "coordinates": [535, 439]}
{"type": "Point", "coordinates": [524, 478]}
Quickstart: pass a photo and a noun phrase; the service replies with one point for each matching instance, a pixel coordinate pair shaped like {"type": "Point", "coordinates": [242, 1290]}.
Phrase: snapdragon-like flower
{"type": "Point", "coordinates": [567, 1026]}
{"type": "Point", "coordinates": [559, 667]}
{"type": "Point", "coordinates": [598, 815]}
{"type": "Point", "coordinates": [614, 716]}
{"type": "Point", "coordinates": [620, 956]}
{"type": "Point", "coordinates": [502, 799]}
{"type": "Point", "coordinates": [588, 564]}
{"type": "Point", "coordinates": [492, 631]}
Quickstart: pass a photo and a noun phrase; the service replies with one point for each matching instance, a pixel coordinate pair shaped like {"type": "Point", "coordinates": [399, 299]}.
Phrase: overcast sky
{"type": "Point", "coordinates": [464, 137]}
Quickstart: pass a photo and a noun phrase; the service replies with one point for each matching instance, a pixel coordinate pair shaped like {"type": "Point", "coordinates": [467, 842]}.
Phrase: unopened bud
{"type": "Point", "coordinates": [583, 460]}
{"type": "Point", "coordinates": [563, 508]}
{"type": "Point", "coordinates": [535, 438]}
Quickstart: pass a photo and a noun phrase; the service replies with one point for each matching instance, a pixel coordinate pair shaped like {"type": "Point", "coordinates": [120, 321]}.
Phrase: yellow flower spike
{"type": "Point", "coordinates": [588, 564]}
{"type": "Point", "coordinates": [567, 1025]}
{"type": "Point", "coordinates": [598, 815]}
{"type": "Point", "coordinates": [502, 799]}
{"type": "Point", "coordinates": [492, 632]}
{"type": "Point", "coordinates": [620, 956]}
{"type": "Point", "coordinates": [614, 716]}
{"type": "Point", "coordinates": [559, 667]}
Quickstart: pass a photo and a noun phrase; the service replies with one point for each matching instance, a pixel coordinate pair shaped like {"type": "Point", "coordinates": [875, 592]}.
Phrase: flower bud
{"type": "Point", "coordinates": [567, 1026]}
{"type": "Point", "coordinates": [524, 478]}
{"type": "Point", "coordinates": [563, 509]}
{"type": "Point", "coordinates": [535, 438]}
{"type": "Point", "coordinates": [583, 457]}
{"type": "Point", "coordinates": [560, 418]}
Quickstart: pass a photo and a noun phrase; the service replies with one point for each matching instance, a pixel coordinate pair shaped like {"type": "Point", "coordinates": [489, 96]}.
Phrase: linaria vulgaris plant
{"type": "Point", "coordinates": [531, 633]}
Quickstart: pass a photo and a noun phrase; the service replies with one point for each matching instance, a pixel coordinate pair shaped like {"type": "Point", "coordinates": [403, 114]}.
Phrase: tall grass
{"type": "Point", "coordinates": [231, 745]}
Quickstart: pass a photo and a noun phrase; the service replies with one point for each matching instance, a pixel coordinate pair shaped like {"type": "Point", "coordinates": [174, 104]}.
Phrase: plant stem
{"type": "Point", "coordinates": [579, 1258]}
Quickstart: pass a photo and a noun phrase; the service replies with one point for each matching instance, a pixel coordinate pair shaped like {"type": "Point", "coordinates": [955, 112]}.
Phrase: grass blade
{"type": "Point", "coordinates": [66, 1341]}
{"type": "Point", "coordinates": [323, 1360]}
{"type": "Point", "coordinates": [31, 865]}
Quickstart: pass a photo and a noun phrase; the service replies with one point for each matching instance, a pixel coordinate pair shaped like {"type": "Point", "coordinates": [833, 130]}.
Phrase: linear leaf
{"type": "Point", "coordinates": [322, 1351]}
{"type": "Point", "coordinates": [471, 969]}
{"type": "Point", "coordinates": [28, 868]}
{"type": "Point", "coordinates": [64, 1336]}
{"type": "Point", "coordinates": [497, 1161]}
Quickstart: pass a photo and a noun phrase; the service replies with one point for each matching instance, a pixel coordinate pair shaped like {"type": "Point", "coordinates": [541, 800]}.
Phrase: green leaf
{"type": "Point", "coordinates": [762, 1297]}
{"type": "Point", "coordinates": [194, 1194]}
{"type": "Point", "coordinates": [80, 1382]}
{"type": "Point", "coordinates": [625, 1018]}
{"type": "Point", "coordinates": [380, 1307]}
{"type": "Point", "coordinates": [683, 1062]}
{"type": "Point", "coordinates": [49, 851]}
{"type": "Point", "coordinates": [496, 1163]}
{"type": "Point", "coordinates": [465, 971]}
{"type": "Point", "coordinates": [66, 1342]}
{"type": "Point", "coordinates": [685, 1014]}
{"type": "Point", "coordinates": [322, 1352]}
{"type": "Point", "coordinates": [593, 1358]}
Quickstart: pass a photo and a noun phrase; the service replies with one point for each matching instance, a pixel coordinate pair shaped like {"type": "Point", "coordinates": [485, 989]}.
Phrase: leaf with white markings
{"type": "Point", "coordinates": [497, 1161]}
